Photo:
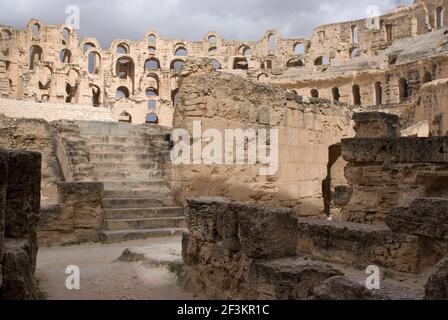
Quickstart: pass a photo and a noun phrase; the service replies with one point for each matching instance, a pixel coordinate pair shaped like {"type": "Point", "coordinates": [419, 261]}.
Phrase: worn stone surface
{"type": "Point", "coordinates": [3, 184]}
{"type": "Point", "coordinates": [376, 125]}
{"type": "Point", "coordinates": [437, 286]}
{"type": "Point", "coordinates": [426, 217]}
{"type": "Point", "coordinates": [23, 193]}
{"type": "Point", "coordinates": [344, 288]}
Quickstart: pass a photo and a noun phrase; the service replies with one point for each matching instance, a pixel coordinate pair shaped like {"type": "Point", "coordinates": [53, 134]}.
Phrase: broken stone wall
{"type": "Point", "coordinates": [306, 130]}
{"type": "Point", "coordinates": [20, 183]}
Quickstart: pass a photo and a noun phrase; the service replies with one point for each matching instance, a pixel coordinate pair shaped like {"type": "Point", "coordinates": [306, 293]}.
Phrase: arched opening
{"type": "Point", "coordinates": [216, 64]}
{"type": "Point", "coordinates": [152, 104]}
{"type": "Point", "coordinates": [334, 156]}
{"type": "Point", "coordinates": [87, 47]}
{"type": "Point", "coordinates": [45, 76]}
{"type": "Point", "coordinates": [36, 53]}
{"type": "Point", "coordinates": [96, 95]}
{"type": "Point", "coordinates": [94, 64]}
{"type": "Point", "coordinates": [65, 56]}
{"type": "Point", "coordinates": [403, 89]}
{"type": "Point", "coordinates": [427, 77]}
{"type": "Point", "coordinates": [240, 64]}
{"type": "Point", "coordinates": [65, 35]}
{"type": "Point", "coordinates": [152, 64]}
{"type": "Point", "coordinates": [266, 64]}
{"type": "Point", "coordinates": [355, 35]}
{"type": "Point", "coordinates": [335, 93]}
{"type": "Point", "coordinates": [212, 40]}
{"type": "Point", "coordinates": [177, 64]}
{"type": "Point", "coordinates": [125, 117]}
{"type": "Point", "coordinates": [122, 92]}
{"type": "Point", "coordinates": [272, 42]}
{"type": "Point", "coordinates": [175, 97]}
{"type": "Point", "coordinates": [70, 90]}
{"type": "Point", "coordinates": [151, 92]}
{"type": "Point", "coordinates": [152, 38]}
{"type": "Point", "coordinates": [356, 95]}
{"type": "Point", "coordinates": [388, 32]}
{"type": "Point", "coordinates": [71, 87]}
{"type": "Point", "coordinates": [314, 93]}
{"type": "Point", "coordinates": [378, 93]}
{"type": "Point", "coordinates": [122, 49]}
{"type": "Point", "coordinates": [153, 82]}
{"type": "Point", "coordinates": [299, 48]}
{"type": "Point", "coordinates": [294, 63]}
{"type": "Point", "coordinates": [181, 52]}
{"type": "Point", "coordinates": [439, 17]}
{"type": "Point", "coordinates": [6, 35]}
{"type": "Point", "coordinates": [245, 50]}
{"type": "Point", "coordinates": [35, 30]}
{"type": "Point", "coordinates": [263, 77]}
{"type": "Point", "coordinates": [354, 53]}
{"type": "Point", "coordinates": [151, 50]}
{"type": "Point", "coordinates": [212, 50]}
{"type": "Point", "coordinates": [125, 68]}
{"type": "Point", "coordinates": [152, 118]}
{"type": "Point", "coordinates": [322, 61]}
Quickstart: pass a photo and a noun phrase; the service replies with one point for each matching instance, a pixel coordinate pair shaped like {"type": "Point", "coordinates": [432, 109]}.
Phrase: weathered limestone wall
{"type": "Point", "coordinates": [306, 130]}
{"type": "Point", "coordinates": [19, 212]}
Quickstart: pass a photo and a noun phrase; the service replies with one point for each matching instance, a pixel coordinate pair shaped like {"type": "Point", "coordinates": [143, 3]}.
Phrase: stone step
{"type": "Point", "coordinates": [101, 147]}
{"type": "Point", "coordinates": [110, 139]}
{"type": "Point", "coordinates": [121, 156]}
{"type": "Point", "coordinates": [147, 223]}
{"type": "Point", "coordinates": [125, 165]}
{"type": "Point", "coordinates": [129, 203]}
{"type": "Point", "coordinates": [143, 213]}
{"type": "Point", "coordinates": [138, 193]}
{"type": "Point", "coordinates": [125, 235]}
{"type": "Point", "coordinates": [134, 184]}
{"type": "Point", "coordinates": [358, 244]}
{"type": "Point", "coordinates": [127, 175]}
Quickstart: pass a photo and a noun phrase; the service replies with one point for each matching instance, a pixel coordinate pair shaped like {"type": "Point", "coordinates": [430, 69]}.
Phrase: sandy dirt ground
{"type": "Point", "coordinates": [102, 276]}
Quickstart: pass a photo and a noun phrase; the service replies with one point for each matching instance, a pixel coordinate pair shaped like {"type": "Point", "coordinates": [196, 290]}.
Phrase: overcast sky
{"type": "Point", "coordinates": [192, 19]}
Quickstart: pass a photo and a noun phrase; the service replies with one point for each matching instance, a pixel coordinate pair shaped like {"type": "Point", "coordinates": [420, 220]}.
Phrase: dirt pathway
{"type": "Point", "coordinates": [103, 277]}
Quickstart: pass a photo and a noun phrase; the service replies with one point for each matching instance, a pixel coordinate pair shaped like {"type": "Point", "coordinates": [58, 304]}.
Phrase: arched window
{"type": "Point", "coordinates": [299, 48]}
{"type": "Point", "coordinates": [35, 56]}
{"type": "Point", "coordinates": [175, 97]}
{"type": "Point", "coordinates": [263, 77]}
{"type": "Point", "coordinates": [314, 93]}
{"type": "Point", "coordinates": [294, 63]}
{"type": "Point", "coordinates": [247, 52]}
{"type": "Point", "coordinates": [266, 64]}
{"type": "Point", "coordinates": [388, 31]}
{"type": "Point", "coordinates": [322, 61]}
{"type": "Point", "coordinates": [151, 92]}
{"type": "Point", "coordinates": [65, 35]}
{"type": "Point", "coordinates": [427, 77]}
{"type": "Point", "coordinates": [152, 118]}
{"type": "Point", "coordinates": [212, 40]}
{"type": "Point", "coordinates": [122, 49]}
{"type": "Point", "coordinates": [216, 64]}
{"type": "Point", "coordinates": [65, 56]}
{"type": "Point", "coordinates": [212, 50]}
{"type": "Point", "coordinates": [96, 94]}
{"type": "Point", "coordinates": [335, 93]}
{"type": "Point", "coordinates": [439, 17]}
{"type": "Point", "coordinates": [122, 92]}
{"type": "Point", "coordinates": [151, 50]}
{"type": "Point", "coordinates": [125, 117]}
{"type": "Point", "coordinates": [35, 30]}
{"type": "Point", "coordinates": [152, 104]}
{"type": "Point", "coordinates": [152, 38]}
{"type": "Point", "coordinates": [87, 47]}
{"type": "Point", "coordinates": [403, 89]}
{"type": "Point", "coordinates": [125, 68]}
{"type": "Point", "coordinates": [94, 63]}
{"type": "Point", "coordinates": [356, 95]}
{"type": "Point", "coordinates": [354, 53]}
{"type": "Point", "coordinates": [272, 42]}
{"type": "Point", "coordinates": [355, 35]}
{"type": "Point", "coordinates": [378, 93]}
{"type": "Point", "coordinates": [6, 35]}
{"type": "Point", "coordinates": [177, 64]}
{"type": "Point", "coordinates": [240, 63]}
{"type": "Point", "coordinates": [181, 52]}
{"type": "Point", "coordinates": [152, 64]}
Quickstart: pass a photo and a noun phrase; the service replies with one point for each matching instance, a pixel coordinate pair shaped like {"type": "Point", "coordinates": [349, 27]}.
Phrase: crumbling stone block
{"type": "Point", "coordinates": [376, 125]}
{"type": "Point", "coordinates": [427, 217]}
{"type": "Point", "coordinates": [23, 193]}
{"type": "Point", "coordinates": [437, 285]}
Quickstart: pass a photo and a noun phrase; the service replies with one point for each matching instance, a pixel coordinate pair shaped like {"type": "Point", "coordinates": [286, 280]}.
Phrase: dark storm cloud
{"type": "Point", "coordinates": [191, 19]}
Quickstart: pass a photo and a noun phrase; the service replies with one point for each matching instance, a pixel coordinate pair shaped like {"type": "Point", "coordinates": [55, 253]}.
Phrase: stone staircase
{"type": "Point", "coordinates": [129, 159]}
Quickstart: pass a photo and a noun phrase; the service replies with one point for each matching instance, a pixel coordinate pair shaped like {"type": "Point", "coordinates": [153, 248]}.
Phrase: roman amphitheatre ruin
{"type": "Point", "coordinates": [362, 118]}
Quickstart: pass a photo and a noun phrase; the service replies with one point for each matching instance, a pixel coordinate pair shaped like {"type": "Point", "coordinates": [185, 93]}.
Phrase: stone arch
{"type": "Point", "coordinates": [355, 35]}
{"type": "Point", "coordinates": [272, 41]}
{"type": "Point", "coordinates": [152, 64]}
{"type": "Point", "coordinates": [213, 50]}
{"type": "Point", "coordinates": [245, 50]}
{"type": "Point", "coordinates": [356, 91]}
{"type": "Point", "coordinates": [151, 38]}
{"type": "Point", "coordinates": [45, 77]}
{"type": "Point", "coordinates": [378, 93]}
{"type": "Point", "coordinates": [151, 92]}
{"type": "Point", "coordinates": [334, 156]}
{"type": "Point", "coordinates": [65, 35]}
{"type": "Point", "coordinates": [123, 48]}
{"type": "Point", "coordinates": [125, 117]}
{"type": "Point", "coordinates": [212, 40]}
{"type": "Point", "coordinates": [322, 61]}
{"type": "Point", "coordinates": [354, 53]}
{"type": "Point", "coordinates": [122, 92]}
{"type": "Point", "coordinates": [240, 63]}
{"type": "Point", "coordinates": [87, 47]}
{"type": "Point", "coordinates": [152, 118]}
{"type": "Point", "coordinates": [125, 68]}
{"type": "Point", "coordinates": [263, 77]}
{"type": "Point", "coordinates": [299, 48]}
{"type": "Point", "coordinates": [181, 51]}
{"type": "Point", "coordinates": [440, 12]}
{"type": "Point", "coordinates": [94, 62]}
{"type": "Point", "coordinates": [314, 93]}
{"type": "Point", "coordinates": [267, 64]}
{"type": "Point", "coordinates": [175, 97]}
{"type": "Point", "coordinates": [36, 54]}
{"type": "Point", "coordinates": [335, 93]}
{"type": "Point", "coordinates": [35, 30]}
{"type": "Point", "coordinates": [294, 63]}
{"type": "Point", "coordinates": [216, 64]}
{"type": "Point", "coordinates": [177, 64]}
{"type": "Point", "coordinates": [152, 50]}
{"type": "Point", "coordinates": [6, 34]}
{"type": "Point", "coordinates": [65, 56]}
{"type": "Point", "coordinates": [153, 81]}
{"type": "Point", "coordinates": [96, 95]}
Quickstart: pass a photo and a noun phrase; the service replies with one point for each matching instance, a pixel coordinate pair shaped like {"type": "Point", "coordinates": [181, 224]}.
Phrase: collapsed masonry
{"type": "Point", "coordinates": [20, 176]}
{"type": "Point", "coordinates": [236, 250]}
